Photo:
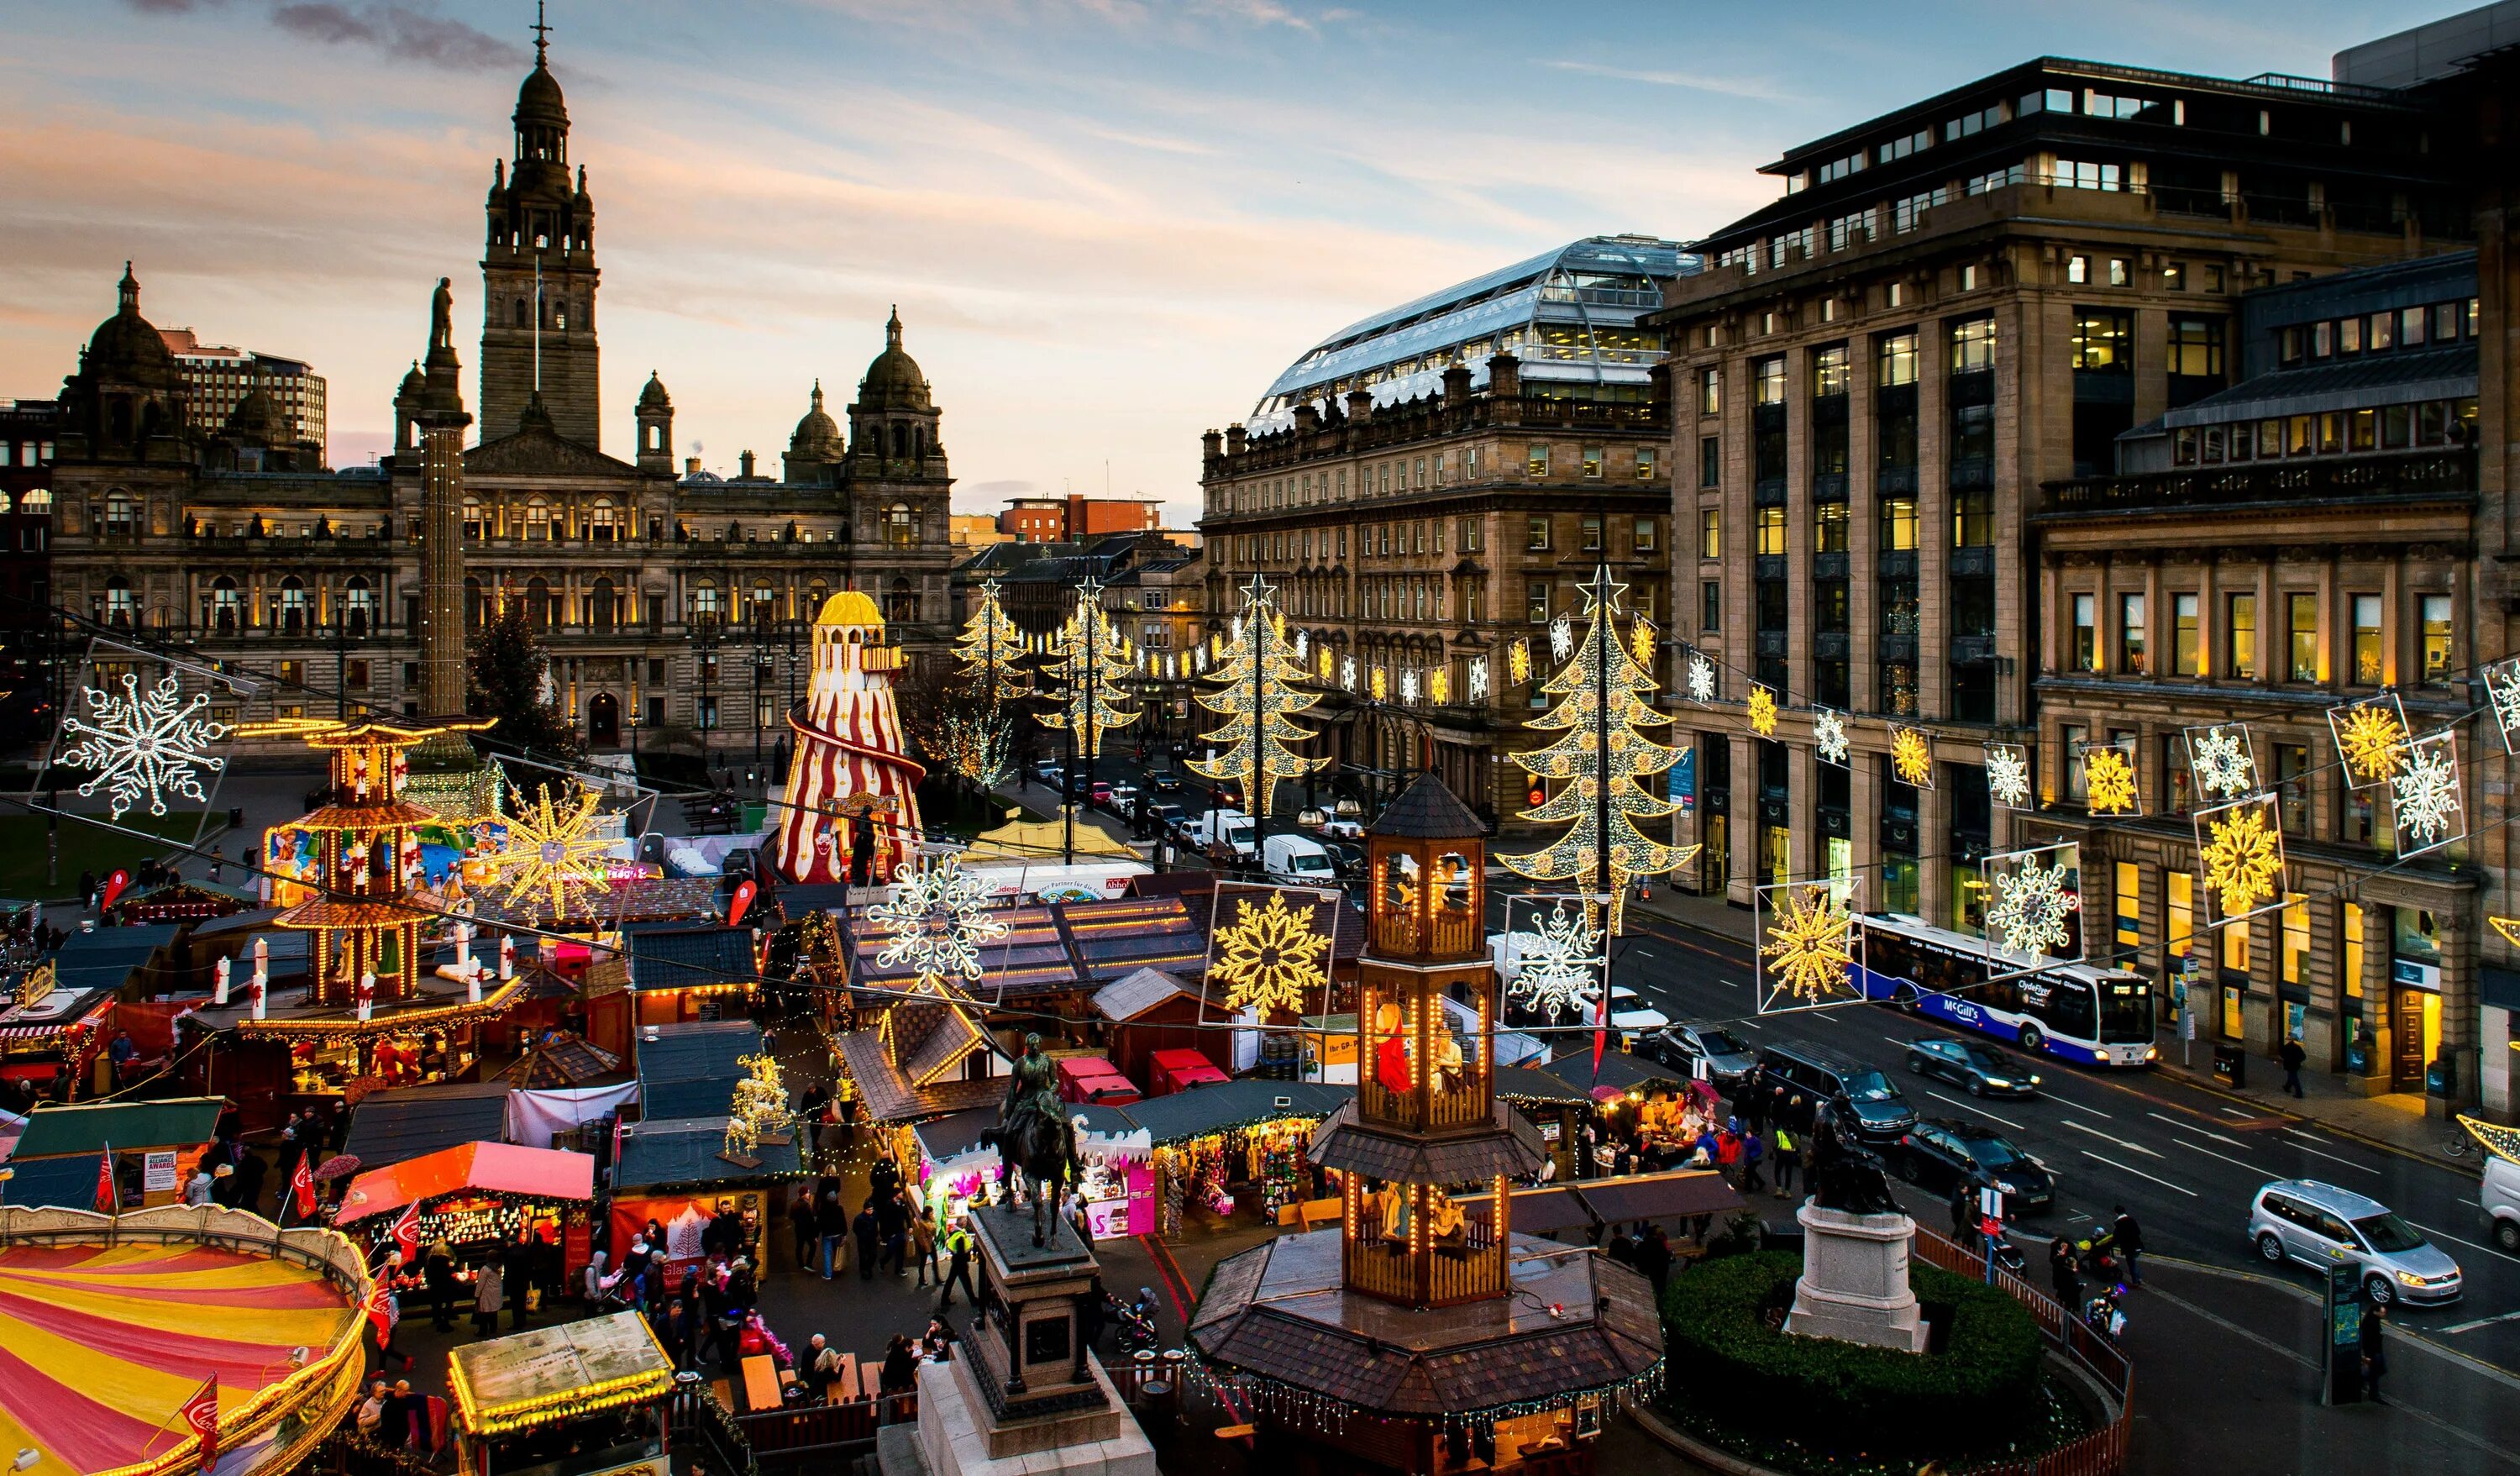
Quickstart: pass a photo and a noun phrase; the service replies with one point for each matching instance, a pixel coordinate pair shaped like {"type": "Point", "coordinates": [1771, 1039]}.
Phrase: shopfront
{"type": "Point", "coordinates": [479, 1197]}
{"type": "Point", "coordinates": [2414, 997]}
{"type": "Point", "coordinates": [953, 1168]}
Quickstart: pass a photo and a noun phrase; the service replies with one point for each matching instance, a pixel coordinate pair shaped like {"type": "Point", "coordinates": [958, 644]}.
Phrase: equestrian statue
{"type": "Point", "coordinates": [1035, 1141]}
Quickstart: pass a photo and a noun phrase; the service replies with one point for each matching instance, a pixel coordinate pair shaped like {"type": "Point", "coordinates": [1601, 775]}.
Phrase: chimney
{"type": "Point", "coordinates": [1307, 418]}
{"type": "Point", "coordinates": [1360, 404]}
{"type": "Point", "coordinates": [1212, 444]}
{"type": "Point", "coordinates": [690, 466]}
{"type": "Point", "coordinates": [1505, 388]}
{"type": "Point", "coordinates": [746, 460]}
{"type": "Point", "coordinates": [1234, 438]}
{"type": "Point", "coordinates": [1457, 383]}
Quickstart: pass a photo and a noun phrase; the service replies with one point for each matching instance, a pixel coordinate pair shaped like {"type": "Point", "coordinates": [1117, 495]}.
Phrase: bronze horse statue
{"type": "Point", "coordinates": [1036, 1142]}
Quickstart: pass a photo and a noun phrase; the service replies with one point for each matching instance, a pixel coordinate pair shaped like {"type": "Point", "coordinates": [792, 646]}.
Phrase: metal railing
{"type": "Point", "coordinates": [696, 1423]}
{"type": "Point", "coordinates": [2102, 1451]}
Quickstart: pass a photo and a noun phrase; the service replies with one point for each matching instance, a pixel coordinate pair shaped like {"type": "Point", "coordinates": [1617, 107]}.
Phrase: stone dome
{"type": "Point", "coordinates": [893, 380]}
{"type": "Point", "coordinates": [255, 418]}
{"type": "Point", "coordinates": [414, 384]}
{"type": "Point", "coordinates": [539, 99]}
{"type": "Point", "coordinates": [816, 426]}
{"type": "Point", "coordinates": [653, 396]}
{"type": "Point", "coordinates": [126, 347]}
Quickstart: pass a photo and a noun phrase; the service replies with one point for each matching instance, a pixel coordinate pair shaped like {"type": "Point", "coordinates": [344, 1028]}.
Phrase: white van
{"type": "Point", "coordinates": [1297, 860]}
{"type": "Point", "coordinates": [2500, 1200]}
{"type": "Point", "coordinates": [1226, 833]}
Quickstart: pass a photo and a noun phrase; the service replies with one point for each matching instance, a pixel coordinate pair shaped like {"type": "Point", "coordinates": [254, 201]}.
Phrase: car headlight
{"type": "Point", "coordinates": [2034, 1080]}
{"type": "Point", "coordinates": [2410, 1279]}
{"type": "Point", "coordinates": [1998, 1080]}
{"type": "Point", "coordinates": [2004, 1187]}
{"type": "Point", "coordinates": [2152, 1053]}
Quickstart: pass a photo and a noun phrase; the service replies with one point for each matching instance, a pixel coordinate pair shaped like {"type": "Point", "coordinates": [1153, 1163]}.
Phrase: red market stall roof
{"type": "Point", "coordinates": [500, 1168]}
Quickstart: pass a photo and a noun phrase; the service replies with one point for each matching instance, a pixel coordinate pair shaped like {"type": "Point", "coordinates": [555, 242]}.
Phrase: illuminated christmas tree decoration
{"type": "Point", "coordinates": [1605, 703]}
{"type": "Point", "coordinates": [1762, 709]}
{"type": "Point", "coordinates": [1912, 756]}
{"type": "Point", "coordinates": [990, 648]}
{"type": "Point", "coordinates": [1701, 677]}
{"type": "Point", "coordinates": [2031, 903]}
{"type": "Point", "coordinates": [2109, 781]}
{"type": "Point", "coordinates": [2007, 775]}
{"type": "Point", "coordinates": [1258, 698]}
{"type": "Point", "coordinates": [2428, 810]}
{"type": "Point", "coordinates": [552, 851]}
{"type": "Point", "coordinates": [1089, 663]}
{"type": "Point", "coordinates": [144, 746]}
{"type": "Point", "coordinates": [1807, 946]}
{"type": "Point", "coordinates": [2502, 1141]}
{"type": "Point", "coordinates": [757, 1113]}
{"type": "Point", "coordinates": [2240, 855]}
{"type": "Point", "coordinates": [1828, 735]}
{"type": "Point", "coordinates": [2222, 760]}
{"type": "Point", "coordinates": [2370, 738]}
{"type": "Point", "coordinates": [1271, 960]}
{"type": "Point", "coordinates": [938, 916]}
{"type": "Point", "coordinates": [1560, 956]}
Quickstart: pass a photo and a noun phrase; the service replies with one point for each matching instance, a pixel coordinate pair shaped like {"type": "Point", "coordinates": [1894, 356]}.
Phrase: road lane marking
{"type": "Point", "coordinates": [2236, 1112]}
{"type": "Point", "coordinates": [2470, 1203]}
{"type": "Point", "coordinates": [2119, 1142]}
{"type": "Point", "coordinates": [2348, 1162]}
{"type": "Point", "coordinates": [2455, 1240]}
{"type": "Point", "coordinates": [2139, 1173]}
{"type": "Point", "coordinates": [2193, 1128]}
{"type": "Point", "coordinates": [2079, 1107]}
{"type": "Point", "coordinates": [1974, 1107]}
{"type": "Point", "coordinates": [2503, 1317]}
{"type": "Point", "coordinates": [2195, 1147]}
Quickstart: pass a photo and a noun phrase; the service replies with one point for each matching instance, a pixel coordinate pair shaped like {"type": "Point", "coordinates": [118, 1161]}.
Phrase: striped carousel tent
{"type": "Point", "coordinates": [851, 765]}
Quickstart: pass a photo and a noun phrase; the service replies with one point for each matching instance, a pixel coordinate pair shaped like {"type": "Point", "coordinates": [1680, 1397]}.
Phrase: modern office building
{"type": "Point", "coordinates": [217, 378]}
{"type": "Point", "coordinates": [1060, 519]}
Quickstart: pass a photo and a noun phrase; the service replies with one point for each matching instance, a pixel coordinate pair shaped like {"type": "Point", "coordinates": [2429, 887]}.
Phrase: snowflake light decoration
{"type": "Point", "coordinates": [1912, 756]}
{"type": "Point", "coordinates": [149, 745]}
{"type": "Point", "coordinates": [1347, 673]}
{"type": "Point", "coordinates": [938, 916]}
{"type": "Point", "coordinates": [2008, 775]}
{"type": "Point", "coordinates": [2502, 689]}
{"type": "Point", "coordinates": [1561, 961]}
{"type": "Point", "coordinates": [1640, 639]}
{"type": "Point", "coordinates": [1701, 678]}
{"type": "Point", "coordinates": [1809, 946]}
{"type": "Point", "coordinates": [1409, 687]}
{"type": "Point", "coordinates": [1271, 960]}
{"type": "Point", "coordinates": [1439, 687]}
{"type": "Point", "coordinates": [553, 850]}
{"type": "Point", "coordinates": [2429, 810]}
{"type": "Point", "coordinates": [2108, 782]}
{"type": "Point", "coordinates": [2239, 848]}
{"type": "Point", "coordinates": [2220, 760]}
{"type": "Point", "coordinates": [1303, 643]}
{"type": "Point", "coordinates": [1561, 636]}
{"type": "Point", "coordinates": [1517, 662]}
{"type": "Point", "coordinates": [2030, 904]}
{"type": "Point", "coordinates": [1828, 735]}
{"type": "Point", "coordinates": [1762, 711]}
{"type": "Point", "coordinates": [2370, 737]}
{"type": "Point", "coordinates": [1478, 679]}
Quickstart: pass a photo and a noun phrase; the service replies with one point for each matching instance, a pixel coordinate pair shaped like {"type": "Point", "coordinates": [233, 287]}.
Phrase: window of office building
{"type": "Point", "coordinates": [1536, 534]}
{"type": "Point", "coordinates": [2242, 621]}
{"type": "Point", "coordinates": [2369, 664]}
{"type": "Point", "coordinates": [1537, 464]}
{"type": "Point", "coordinates": [1894, 361]}
{"type": "Point", "coordinates": [1645, 463]}
{"type": "Point", "coordinates": [1829, 528]}
{"type": "Point", "coordinates": [1767, 382]}
{"type": "Point", "coordinates": [1710, 605]}
{"type": "Point", "coordinates": [1710, 532]}
{"type": "Point", "coordinates": [2183, 635]}
{"type": "Point", "coordinates": [2292, 787]}
{"type": "Point", "coordinates": [1830, 373]}
{"type": "Point", "coordinates": [1593, 463]}
{"type": "Point", "coordinates": [1710, 460]}
{"type": "Point", "coordinates": [1591, 533]}
{"type": "Point", "coordinates": [2350, 966]}
{"type": "Point", "coordinates": [1772, 530]}
{"type": "Point", "coordinates": [1710, 390]}
{"type": "Point", "coordinates": [1535, 602]}
{"type": "Point", "coordinates": [2087, 635]}
{"type": "Point", "coordinates": [2303, 624]}
{"type": "Point", "coordinates": [2434, 611]}
{"type": "Point", "coordinates": [2181, 895]}
{"type": "Point", "coordinates": [1897, 524]}
{"type": "Point", "coordinates": [2295, 938]}
{"type": "Point", "coordinates": [2130, 650]}
{"type": "Point", "coordinates": [1973, 518]}
{"type": "Point", "coordinates": [2128, 893]}
{"type": "Point", "coordinates": [1973, 346]}
{"type": "Point", "coordinates": [2102, 341]}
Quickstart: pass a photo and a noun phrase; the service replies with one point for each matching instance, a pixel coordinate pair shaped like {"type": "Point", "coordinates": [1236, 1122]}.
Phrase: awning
{"type": "Point", "coordinates": [500, 1168]}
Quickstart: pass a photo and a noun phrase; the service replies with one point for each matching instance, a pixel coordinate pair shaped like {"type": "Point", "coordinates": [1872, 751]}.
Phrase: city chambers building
{"type": "Point", "coordinates": [667, 597]}
{"type": "Point", "coordinates": [1429, 485]}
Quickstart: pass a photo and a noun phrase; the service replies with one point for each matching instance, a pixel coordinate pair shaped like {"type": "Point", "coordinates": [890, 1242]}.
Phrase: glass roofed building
{"type": "Point", "coordinates": [1430, 485]}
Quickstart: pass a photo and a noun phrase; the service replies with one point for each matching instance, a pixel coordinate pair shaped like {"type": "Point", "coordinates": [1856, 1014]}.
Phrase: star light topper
{"type": "Point", "coordinates": [144, 746]}
{"type": "Point", "coordinates": [553, 851]}
{"type": "Point", "coordinates": [2007, 775]}
{"type": "Point", "coordinates": [938, 915]}
{"type": "Point", "coordinates": [1807, 946]}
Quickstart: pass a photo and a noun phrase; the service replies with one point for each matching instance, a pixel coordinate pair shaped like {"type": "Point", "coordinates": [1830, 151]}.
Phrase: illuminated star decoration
{"type": "Point", "coordinates": [148, 744]}
{"type": "Point", "coordinates": [1828, 735]}
{"type": "Point", "coordinates": [2241, 850]}
{"type": "Point", "coordinates": [1561, 961]}
{"type": "Point", "coordinates": [1271, 960]}
{"type": "Point", "coordinates": [1912, 757]}
{"type": "Point", "coordinates": [2108, 782]}
{"type": "Point", "coordinates": [1807, 952]}
{"type": "Point", "coordinates": [1762, 711]}
{"type": "Point", "coordinates": [2426, 791]}
{"type": "Point", "coordinates": [552, 850]}
{"type": "Point", "coordinates": [2008, 775]}
{"type": "Point", "coordinates": [1478, 683]}
{"type": "Point", "coordinates": [2029, 905]}
{"type": "Point", "coordinates": [1562, 638]}
{"type": "Point", "coordinates": [2502, 687]}
{"type": "Point", "coordinates": [2219, 759]}
{"type": "Point", "coordinates": [938, 916]}
{"type": "Point", "coordinates": [1381, 684]}
{"type": "Point", "coordinates": [1517, 662]}
{"type": "Point", "coordinates": [2370, 737]}
{"type": "Point", "coordinates": [1640, 637]}
{"type": "Point", "coordinates": [1701, 678]}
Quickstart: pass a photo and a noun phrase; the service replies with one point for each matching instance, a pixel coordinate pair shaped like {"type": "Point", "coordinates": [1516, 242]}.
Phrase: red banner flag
{"type": "Point", "coordinates": [1601, 1026]}
{"type": "Point", "coordinates": [202, 1416]}
{"type": "Point", "coordinates": [107, 1201]}
{"type": "Point", "coordinates": [406, 1234]}
{"type": "Point", "coordinates": [301, 1187]}
{"type": "Point", "coordinates": [742, 902]}
{"type": "Point", "coordinates": [382, 1313]}
{"type": "Point", "coordinates": [113, 888]}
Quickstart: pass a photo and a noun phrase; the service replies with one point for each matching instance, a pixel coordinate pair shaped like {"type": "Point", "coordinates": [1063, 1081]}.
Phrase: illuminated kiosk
{"type": "Point", "coordinates": [606, 1379]}
{"type": "Point", "coordinates": [115, 1325]}
{"type": "Point", "coordinates": [851, 765]}
{"type": "Point", "coordinates": [1425, 1334]}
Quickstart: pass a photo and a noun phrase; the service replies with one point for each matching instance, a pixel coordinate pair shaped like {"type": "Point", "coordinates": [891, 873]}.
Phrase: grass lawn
{"type": "Point", "coordinates": [83, 847]}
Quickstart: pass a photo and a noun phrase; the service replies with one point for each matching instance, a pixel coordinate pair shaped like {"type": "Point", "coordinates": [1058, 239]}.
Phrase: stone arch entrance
{"type": "Point", "coordinates": [604, 721]}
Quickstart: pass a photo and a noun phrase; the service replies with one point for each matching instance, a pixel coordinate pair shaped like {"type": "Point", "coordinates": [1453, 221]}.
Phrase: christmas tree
{"type": "Point", "coordinates": [990, 648]}
{"type": "Point", "coordinates": [1258, 698]}
{"type": "Point", "coordinates": [1603, 698]}
{"type": "Point", "coordinates": [1088, 660]}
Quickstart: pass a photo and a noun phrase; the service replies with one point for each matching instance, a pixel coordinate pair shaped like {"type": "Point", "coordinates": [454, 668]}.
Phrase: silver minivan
{"type": "Point", "coordinates": [2319, 1223]}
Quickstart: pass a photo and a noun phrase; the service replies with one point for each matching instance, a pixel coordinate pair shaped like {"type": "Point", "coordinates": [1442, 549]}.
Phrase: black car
{"type": "Point", "coordinates": [1347, 858]}
{"type": "Point", "coordinates": [1164, 781]}
{"type": "Point", "coordinates": [1984, 1070]}
{"type": "Point", "coordinates": [1799, 1078]}
{"type": "Point", "coordinates": [1942, 1152]}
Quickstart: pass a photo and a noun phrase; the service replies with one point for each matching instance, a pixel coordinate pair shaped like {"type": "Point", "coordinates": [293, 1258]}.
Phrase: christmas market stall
{"type": "Point", "coordinates": [679, 974]}
{"type": "Point", "coordinates": [388, 1128]}
{"type": "Point", "coordinates": [585, 1397]}
{"type": "Point", "coordinates": [691, 1070]}
{"type": "Point", "coordinates": [684, 1172]}
{"type": "Point", "coordinates": [1558, 1109]}
{"type": "Point", "coordinates": [1118, 1187]}
{"type": "Point", "coordinates": [478, 1197]}
{"type": "Point", "coordinates": [155, 1144]}
{"type": "Point", "coordinates": [58, 1014]}
{"type": "Point", "coordinates": [180, 902]}
{"type": "Point", "coordinates": [1223, 1149]}
{"type": "Point", "coordinates": [1145, 1012]}
{"type": "Point", "coordinates": [131, 1334]}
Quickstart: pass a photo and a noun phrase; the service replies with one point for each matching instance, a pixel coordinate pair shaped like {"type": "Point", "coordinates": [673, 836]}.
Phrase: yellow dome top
{"type": "Point", "coordinates": [849, 607]}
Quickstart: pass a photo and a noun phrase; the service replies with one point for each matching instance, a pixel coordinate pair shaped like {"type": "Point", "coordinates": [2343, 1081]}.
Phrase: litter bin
{"type": "Point", "coordinates": [2231, 1066]}
{"type": "Point", "coordinates": [235, 816]}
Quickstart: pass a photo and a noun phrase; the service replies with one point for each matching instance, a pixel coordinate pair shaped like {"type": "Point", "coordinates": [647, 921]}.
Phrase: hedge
{"type": "Point", "coordinates": [1730, 1372]}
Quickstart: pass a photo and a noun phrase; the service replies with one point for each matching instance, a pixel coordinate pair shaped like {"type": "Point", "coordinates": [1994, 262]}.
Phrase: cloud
{"type": "Point", "coordinates": [397, 30]}
{"type": "Point", "coordinates": [1730, 87]}
{"type": "Point", "coordinates": [168, 7]}
{"type": "Point", "coordinates": [989, 491]}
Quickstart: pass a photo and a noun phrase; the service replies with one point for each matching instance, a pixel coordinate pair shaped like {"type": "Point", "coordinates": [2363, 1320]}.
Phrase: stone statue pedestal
{"type": "Point", "coordinates": [1023, 1396]}
{"type": "Point", "coordinates": [1854, 1285]}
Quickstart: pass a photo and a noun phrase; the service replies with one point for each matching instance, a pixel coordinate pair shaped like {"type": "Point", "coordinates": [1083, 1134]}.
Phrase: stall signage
{"type": "Point", "coordinates": [157, 1172]}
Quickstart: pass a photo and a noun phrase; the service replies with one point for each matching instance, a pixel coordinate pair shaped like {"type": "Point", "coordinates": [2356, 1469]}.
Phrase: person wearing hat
{"type": "Point", "coordinates": [223, 1185]}
{"type": "Point", "coordinates": [438, 1272]}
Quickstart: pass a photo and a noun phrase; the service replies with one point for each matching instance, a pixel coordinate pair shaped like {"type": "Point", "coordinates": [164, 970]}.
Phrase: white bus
{"type": "Point", "coordinates": [2052, 1006]}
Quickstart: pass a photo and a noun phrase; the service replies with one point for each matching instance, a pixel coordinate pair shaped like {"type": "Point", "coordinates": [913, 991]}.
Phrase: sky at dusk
{"type": "Point", "coordinates": [1107, 223]}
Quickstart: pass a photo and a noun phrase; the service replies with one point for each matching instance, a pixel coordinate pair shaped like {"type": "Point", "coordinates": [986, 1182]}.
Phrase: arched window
{"type": "Point", "coordinates": [293, 605]}
{"type": "Point", "coordinates": [900, 441]}
{"type": "Point", "coordinates": [704, 606]}
{"type": "Point", "coordinates": [227, 606]}
{"type": "Point", "coordinates": [358, 606]}
{"type": "Point", "coordinates": [918, 440]}
{"type": "Point", "coordinates": [472, 603]}
{"type": "Point", "coordinates": [602, 605]}
{"type": "Point", "coordinates": [900, 602]}
{"type": "Point", "coordinates": [121, 605]}
{"type": "Point", "coordinates": [538, 521]}
{"type": "Point", "coordinates": [538, 602]}
{"type": "Point", "coordinates": [521, 320]}
{"type": "Point", "coordinates": [602, 523]}
{"type": "Point", "coordinates": [38, 501]}
{"type": "Point", "coordinates": [765, 605]}
{"type": "Point", "coordinates": [899, 528]}
{"type": "Point", "coordinates": [477, 525]}
{"type": "Point", "coordinates": [121, 514]}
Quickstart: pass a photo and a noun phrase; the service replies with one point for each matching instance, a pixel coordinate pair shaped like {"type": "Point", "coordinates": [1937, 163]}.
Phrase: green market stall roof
{"type": "Point", "coordinates": [1201, 1111]}
{"type": "Point", "coordinates": [689, 1070]}
{"type": "Point", "coordinates": [412, 1122]}
{"type": "Point", "coordinates": [687, 1152]}
{"type": "Point", "coordinates": [1524, 1085]}
{"type": "Point", "coordinates": [127, 1127]}
{"type": "Point", "coordinates": [1619, 1069]}
{"type": "Point", "coordinates": [68, 1182]}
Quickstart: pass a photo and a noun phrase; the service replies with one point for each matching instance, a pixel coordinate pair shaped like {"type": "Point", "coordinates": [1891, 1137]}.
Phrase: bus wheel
{"type": "Point", "coordinates": [2032, 1041]}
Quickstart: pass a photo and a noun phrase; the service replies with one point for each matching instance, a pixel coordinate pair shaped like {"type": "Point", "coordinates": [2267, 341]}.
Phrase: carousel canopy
{"type": "Point", "coordinates": [128, 1126]}
{"type": "Point", "coordinates": [410, 1122]}
{"type": "Point", "coordinates": [691, 1070]}
{"type": "Point", "coordinates": [499, 1168]}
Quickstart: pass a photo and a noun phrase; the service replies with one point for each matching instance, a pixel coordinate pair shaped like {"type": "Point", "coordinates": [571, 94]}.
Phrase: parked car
{"type": "Point", "coordinates": [1728, 1060]}
{"type": "Point", "coordinates": [1098, 793]}
{"type": "Point", "coordinates": [1984, 1070]}
{"type": "Point", "coordinates": [1801, 1078]}
{"type": "Point", "coordinates": [1296, 860]}
{"type": "Point", "coordinates": [2319, 1223]}
{"type": "Point", "coordinates": [1347, 858]}
{"type": "Point", "coordinates": [2500, 1200]}
{"type": "Point", "coordinates": [1942, 1152]}
{"type": "Point", "coordinates": [1116, 797]}
{"type": "Point", "coordinates": [1166, 818]}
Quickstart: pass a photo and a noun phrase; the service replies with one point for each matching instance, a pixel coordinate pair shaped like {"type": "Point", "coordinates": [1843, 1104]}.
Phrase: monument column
{"type": "Point", "coordinates": [441, 421]}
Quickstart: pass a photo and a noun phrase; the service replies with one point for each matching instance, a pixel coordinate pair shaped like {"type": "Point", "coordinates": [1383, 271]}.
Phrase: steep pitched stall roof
{"type": "Point", "coordinates": [410, 1122]}
{"type": "Point", "coordinates": [1132, 995]}
{"type": "Point", "coordinates": [1116, 938]}
{"type": "Point", "coordinates": [1030, 960]}
{"type": "Point", "coordinates": [91, 1127]}
{"type": "Point", "coordinates": [679, 1153]}
{"type": "Point", "coordinates": [1427, 811]}
{"type": "Point", "coordinates": [560, 1058]}
{"type": "Point", "coordinates": [888, 1094]}
{"type": "Point", "coordinates": [689, 1070]}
